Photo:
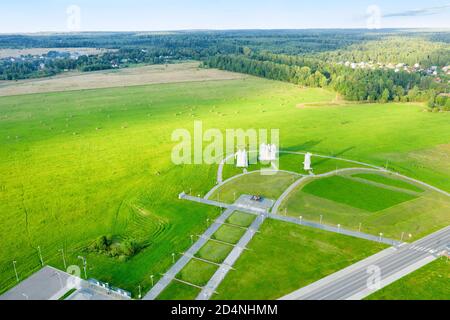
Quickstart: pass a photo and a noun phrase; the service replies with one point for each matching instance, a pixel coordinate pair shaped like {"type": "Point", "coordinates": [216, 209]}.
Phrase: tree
{"type": "Point", "coordinates": [385, 95]}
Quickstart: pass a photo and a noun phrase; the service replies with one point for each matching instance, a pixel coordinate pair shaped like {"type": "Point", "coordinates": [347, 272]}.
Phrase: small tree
{"type": "Point", "coordinates": [385, 95]}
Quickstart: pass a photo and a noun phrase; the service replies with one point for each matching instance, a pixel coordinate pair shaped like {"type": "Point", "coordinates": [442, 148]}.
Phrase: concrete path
{"type": "Point", "coordinates": [336, 229]}
{"type": "Point", "coordinates": [204, 201]}
{"type": "Point", "coordinates": [185, 258]}
{"type": "Point", "coordinates": [228, 263]}
{"type": "Point", "coordinates": [356, 281]}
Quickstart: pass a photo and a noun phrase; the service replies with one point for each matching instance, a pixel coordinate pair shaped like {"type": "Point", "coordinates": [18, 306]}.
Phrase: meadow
{"type": "Point", "coordinates": [78, 165]}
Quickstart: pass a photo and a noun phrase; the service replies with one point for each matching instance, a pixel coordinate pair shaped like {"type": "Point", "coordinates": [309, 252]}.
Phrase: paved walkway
{"type": "Point", "coordinates": [228, 263]}
{"type": "Point", "coordinates": [204, 201]}
{"type": "Point", "coordinates": [336, 229]}
{"type": "Point", "coordinates": [185, 258]}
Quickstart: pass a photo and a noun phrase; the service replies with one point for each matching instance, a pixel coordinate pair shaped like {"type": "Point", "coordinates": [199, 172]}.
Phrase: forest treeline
{"type": "Point", "coordinates": [354, 84]}
{"type": "Point", "coordinates": [316, 58]}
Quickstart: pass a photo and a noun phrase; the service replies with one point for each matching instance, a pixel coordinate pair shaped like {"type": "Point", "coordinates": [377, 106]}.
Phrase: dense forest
{"type": "Point", "coordinates": [363, 65]}
{"type": "Point", "coordinates": [359, 85]}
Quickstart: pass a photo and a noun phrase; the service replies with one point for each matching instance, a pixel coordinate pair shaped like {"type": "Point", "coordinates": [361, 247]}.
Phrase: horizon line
{"type": "Point", "coordinates": [218, 29]}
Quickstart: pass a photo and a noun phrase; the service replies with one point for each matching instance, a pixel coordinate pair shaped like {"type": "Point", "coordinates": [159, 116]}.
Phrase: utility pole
{"type": "Point", "coordinates": [84, 265]}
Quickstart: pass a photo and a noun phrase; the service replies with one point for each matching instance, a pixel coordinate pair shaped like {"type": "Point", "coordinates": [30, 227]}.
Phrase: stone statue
{"type": "Point", "coordinates": [242, 158]}
{"type": "Point", "coordinates": [307, 162]}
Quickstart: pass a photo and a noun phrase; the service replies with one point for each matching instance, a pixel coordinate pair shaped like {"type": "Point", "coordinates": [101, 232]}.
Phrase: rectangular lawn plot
{"type": "Point", "coordinates": [241, 219]}
{"type": "Point", "coordinates": [229, 234]}
{"type": "Point", "coordinates": [214, 251]}
{"type": "Point", "coordinates": [356, 194]}
{"type": "Point", "coordinates": [197, 272]}
{"type": "Point", "coordinates": [388, 181]}
{"type": "Point", "coordinates": [179, 291]}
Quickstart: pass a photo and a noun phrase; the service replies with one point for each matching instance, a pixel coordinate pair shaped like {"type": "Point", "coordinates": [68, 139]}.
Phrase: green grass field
{"type": "Point", "coordinates": [214, 251]}
{"type": "Point", "coordinates": [197, 272]}
{"type": "Point", "coordinates": [341, 200]}
{"type": "Point", "coordinates": [431, 282]}
{"type": "Point", "coordinates": [179, 291]}
{"type": "Point", "coordinates": [229, 234]}
{"type": "Point", "coordinates": [355, 194]}
{"type": "Point", "coordinates": [269, 186]}
{"type": "Point", "coordinates": [241, 219]}
{"type": "Point", "coordinates": [388, 181]}
{"type": "Point", "coordinates": [284, 257]}
{"type": "Point", "coordinates": [294, 163]}
{"type": "Point", "coordinates": [78, 165]}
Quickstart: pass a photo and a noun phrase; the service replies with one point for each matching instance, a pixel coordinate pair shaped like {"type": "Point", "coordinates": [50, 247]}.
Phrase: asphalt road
{"type": "Point", "coordinates": [355, 282]}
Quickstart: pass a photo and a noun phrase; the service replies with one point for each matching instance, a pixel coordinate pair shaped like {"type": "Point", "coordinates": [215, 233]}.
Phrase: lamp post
{"type": "Point", "coordinates": [15, 270]}
{"type": "Point", "coordinates": [151, 278]}
{"type": "Point", "coordinates": [401, 238]}
{"type": "Point", "coordinates": [321, 217]}
{"type": "Point", "coordinates": [192, 239]}
{"type": "Point", "coordinates": [360, 225]}
{"type": "Point", "coordinates": [301, 219]}
{"type": "Point", "coordinates": [173, 257]}
{"type": "Point", "coordinates": [339, 228]}
{"type": "Point", "coordinates": [140, 295]}
{"type": "Point", "coordinates": [40, 255]}
{"type": "Point", "coordinates": [84, 265]}
{"type": "Point", "coordinates": [381, 235]}
{"type": "Point", "coordinates": [64, 258]}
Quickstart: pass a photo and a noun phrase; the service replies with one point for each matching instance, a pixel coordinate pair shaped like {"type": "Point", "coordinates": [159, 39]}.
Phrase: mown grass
{"type": "Point", "coordinates": [229, 234]}
{"type": "Point", "coordinates": [388, 181]}
{"type": "Point", "coordinates": [431, 282]}
{"type": "Point", "coordinates": [356, 194]}
{"type": "Point", "coordinates": [179, 291]}
{"type": "Point", "coordinates": [428, 212]}
{"type": "Point", "coordinates": [197, 272]}
{"type": "Point", "coordinates": [241, 219]}
{"type": "Point", "coordinates": [268, 186]}
{"type": "Point", "coordinates": [214, 251]}
{"type": "Point", "coordinates": [78, 165]}
{"type": "Point", "coordinates": [284, 257]}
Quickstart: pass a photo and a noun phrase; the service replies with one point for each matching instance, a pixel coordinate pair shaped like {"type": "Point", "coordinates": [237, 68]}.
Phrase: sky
{"type": "Point", "coordinates": [25, 16]}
